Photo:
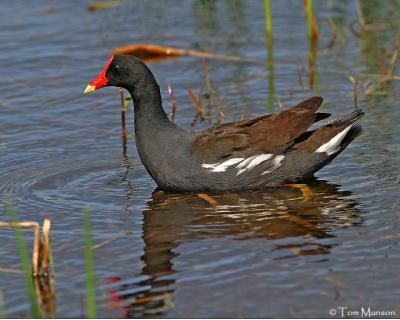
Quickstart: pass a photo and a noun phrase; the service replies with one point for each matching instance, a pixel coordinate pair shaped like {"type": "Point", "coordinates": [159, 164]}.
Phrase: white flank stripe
{"type": "Point", "coordinates": [245, 162]}
{"type": "Point", "coordinates": [258, 160]}
{"type": "Point", "coordinates": [278, 159]}
{"type": "Point", "coordinates": [277, 164]}
{"type": "Point", "coordinates": [332, 145]}
{"type": "Point", "coordinates": [209, 166]}
{"type": "Point", "coordinates": [252, 162]}
{"type": "Point", "coordinates": [221, 167]}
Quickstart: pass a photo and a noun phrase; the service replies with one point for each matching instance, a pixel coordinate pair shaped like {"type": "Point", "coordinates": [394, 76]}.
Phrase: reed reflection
{"type": "Point", "coordinates": [307, 212]}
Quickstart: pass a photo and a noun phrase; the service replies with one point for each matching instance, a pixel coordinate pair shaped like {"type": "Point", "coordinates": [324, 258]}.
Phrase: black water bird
{"type": "Point", "coordinates": [250, 154]}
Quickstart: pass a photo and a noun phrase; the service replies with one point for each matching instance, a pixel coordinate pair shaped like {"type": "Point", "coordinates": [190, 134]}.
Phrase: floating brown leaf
{"type": "Point", "coordinates": [94, 6]}
{"type": "Point", "coordinates": [209, 199]}
{"type": "Point", "coordinates": [153, 53]}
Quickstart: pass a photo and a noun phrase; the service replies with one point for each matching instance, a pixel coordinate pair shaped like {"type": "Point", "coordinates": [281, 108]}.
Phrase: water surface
{"type": "Point", "coordinates": [285, 252]}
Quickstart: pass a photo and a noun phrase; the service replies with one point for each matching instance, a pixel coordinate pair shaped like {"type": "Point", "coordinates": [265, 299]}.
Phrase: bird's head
{"type": "Point", "coordinates": [120, 71]}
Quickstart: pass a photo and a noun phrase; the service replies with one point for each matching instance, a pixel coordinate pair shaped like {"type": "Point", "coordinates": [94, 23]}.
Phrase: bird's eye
{"type": "Point", "coordinates": [117, 66]}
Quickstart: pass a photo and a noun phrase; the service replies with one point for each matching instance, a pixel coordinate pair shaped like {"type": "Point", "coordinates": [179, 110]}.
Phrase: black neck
{"type": "Point", "coordinates": [148, 104]}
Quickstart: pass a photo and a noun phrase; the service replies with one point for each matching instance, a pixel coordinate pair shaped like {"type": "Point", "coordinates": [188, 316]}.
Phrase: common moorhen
{"type": "Point", "coordinates": [250, 154]}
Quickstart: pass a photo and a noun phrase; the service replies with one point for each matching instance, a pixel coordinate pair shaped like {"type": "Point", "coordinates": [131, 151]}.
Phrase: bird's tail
{"type": "Point", "coordinates": [352, 130]}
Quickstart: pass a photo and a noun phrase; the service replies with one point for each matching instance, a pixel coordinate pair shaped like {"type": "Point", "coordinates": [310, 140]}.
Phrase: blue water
{"type": "Point", "coordinates": [281, 253]}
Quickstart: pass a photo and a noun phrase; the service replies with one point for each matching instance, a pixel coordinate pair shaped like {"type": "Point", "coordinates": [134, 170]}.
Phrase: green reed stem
{"type": "Point", "coordinates": [310, 18]}
{"type": "Point", "coordinates": [268, 20]}
{"type": "Point", "coordinates": [25, 264]}
{"type": "Point", "coordinates": [90, 280]}
{"type": "Point", "coordinates": [2, 308]}
{"type": "Point", "coordinates": [313, 36]}
{"type": "Point", "coordinates": [270, 46]}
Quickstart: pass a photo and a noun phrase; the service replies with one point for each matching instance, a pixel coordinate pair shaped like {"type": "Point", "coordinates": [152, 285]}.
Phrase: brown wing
{"type": "Point", "coordinates": [312, 140]}
{"type": "Point", "coordinates": [267, 134]}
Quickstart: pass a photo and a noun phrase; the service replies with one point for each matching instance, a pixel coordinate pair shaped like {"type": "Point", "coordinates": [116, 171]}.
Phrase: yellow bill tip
{"type": "Point", "coordinates": [89, 89]}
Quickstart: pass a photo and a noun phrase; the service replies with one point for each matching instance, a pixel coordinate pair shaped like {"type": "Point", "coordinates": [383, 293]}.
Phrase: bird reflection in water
{"type": "Point", "coordinates": [308, 212]}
